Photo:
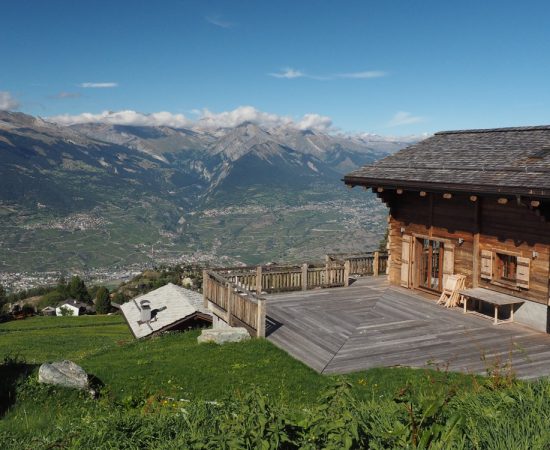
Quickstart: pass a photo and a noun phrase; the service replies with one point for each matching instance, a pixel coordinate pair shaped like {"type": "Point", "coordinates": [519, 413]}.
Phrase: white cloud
{"type": "Point", "coordinates": [127, 117]}
{"type": "Point", "coordinates": [219, 21]}
{"type": "Point", "coordinates": [363, 75]}
{"type": "Point", "coordinates": [206, 119]}
{"type": "Point", "coordinates": [404, 118]}
{"type": "Point", "coordinates": [288, 73]}
{"type": "Point", "coordinates": [315, 122]}
{"type": "Point", "coordinates": [228, 119]}
{"type": "Point", "coordinates": [109, 84]}
{"type": "Point", "coordinates": [7, 102]}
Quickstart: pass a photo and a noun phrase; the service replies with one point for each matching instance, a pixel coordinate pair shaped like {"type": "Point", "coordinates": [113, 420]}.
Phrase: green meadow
{"type": "Point", "coordinates": [171, 392]}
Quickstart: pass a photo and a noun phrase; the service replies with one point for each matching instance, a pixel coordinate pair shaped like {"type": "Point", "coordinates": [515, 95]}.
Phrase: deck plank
{"type": "Point", "coordinates": [371, 324]}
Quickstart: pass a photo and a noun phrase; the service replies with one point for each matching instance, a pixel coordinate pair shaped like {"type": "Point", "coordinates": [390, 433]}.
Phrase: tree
{"type": "Point", "coordinates": [77, 290]}
{"type": "Point", "coordinates": [27, 309]}
{"type": "Point", "coordinates": [119, 298]}
{"type": "Point", "coordinates": [62, 287]}
{"type": "Point", "coordinates": [3, 295]}
{"type": "Point", "coordinates": [66, 311]}
{"type": "Point", "coordinates": [102, 301]}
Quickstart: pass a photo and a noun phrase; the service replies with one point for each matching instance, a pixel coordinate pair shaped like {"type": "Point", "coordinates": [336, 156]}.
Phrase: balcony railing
{"type": "Point", "coordinates": [234, 294]}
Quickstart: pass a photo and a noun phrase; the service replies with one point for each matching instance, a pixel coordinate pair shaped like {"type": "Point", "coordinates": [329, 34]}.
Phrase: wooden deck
{"type": "Point", "coordinates": [371, 324]}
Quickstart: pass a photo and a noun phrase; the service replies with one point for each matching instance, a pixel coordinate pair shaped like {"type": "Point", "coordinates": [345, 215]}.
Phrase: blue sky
{"type": "Point", "coordinates": [390, 67]}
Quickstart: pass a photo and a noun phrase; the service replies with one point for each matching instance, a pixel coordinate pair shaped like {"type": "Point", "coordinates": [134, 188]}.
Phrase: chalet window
{"type": "Point", "coordinates": [505, 269]}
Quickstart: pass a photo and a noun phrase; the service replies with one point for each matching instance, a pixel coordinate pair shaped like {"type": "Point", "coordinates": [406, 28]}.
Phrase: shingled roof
{"type": "Point", "coordinates": [499, 160]}
{"type": "Point", "coordinates": [171, 306]}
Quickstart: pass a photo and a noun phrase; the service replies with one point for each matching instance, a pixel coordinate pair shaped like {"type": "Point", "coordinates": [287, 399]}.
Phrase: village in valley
{"type": "Point", "coordinates": [362, 263]}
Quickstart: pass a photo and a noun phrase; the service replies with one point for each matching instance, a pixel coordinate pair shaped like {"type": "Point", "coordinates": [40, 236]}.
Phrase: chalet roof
{"type": "Point", "coordinates": [500, 160]}
{"type": "Point", "coordinates": [170, 305]}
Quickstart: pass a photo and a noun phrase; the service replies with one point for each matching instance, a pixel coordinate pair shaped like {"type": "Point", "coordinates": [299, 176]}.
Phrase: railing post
{"type": "Point", "coordinates": [259, 280]}
{"type": "Point", "coordinates": [347, 264]}
{"type": "Point", "coordinates": [229, 305]}
{"type": "Point", "coordinates": [260, 320]}
{"type": "Point", "coordinates": [375, 263]}
{"type": "Point", "coordinates": [304, 277]}
{"type": "Point", "coordinates": [204, 288]}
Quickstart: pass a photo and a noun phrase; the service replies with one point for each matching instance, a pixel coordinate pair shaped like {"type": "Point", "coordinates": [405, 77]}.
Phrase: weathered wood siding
{"type": "Point", "coordinates": [509, 228]}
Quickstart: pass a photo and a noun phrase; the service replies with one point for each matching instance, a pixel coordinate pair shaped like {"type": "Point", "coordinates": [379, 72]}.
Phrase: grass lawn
{"type": "Point", "coordinates": [171, 366]}
{"type": "Point", "coordinates": [175, 365]}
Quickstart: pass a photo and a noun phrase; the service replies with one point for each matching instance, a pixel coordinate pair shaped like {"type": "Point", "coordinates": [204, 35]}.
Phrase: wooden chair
{"type": "Point", "coordinates": [450, 297]}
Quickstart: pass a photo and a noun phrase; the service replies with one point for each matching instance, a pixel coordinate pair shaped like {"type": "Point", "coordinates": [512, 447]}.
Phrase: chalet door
{"type": "Point", "coordinates": [430, 264]}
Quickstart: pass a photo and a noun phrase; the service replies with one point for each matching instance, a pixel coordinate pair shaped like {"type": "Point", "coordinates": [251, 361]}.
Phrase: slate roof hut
{"type": "Point", "coordinates": [167, 308]}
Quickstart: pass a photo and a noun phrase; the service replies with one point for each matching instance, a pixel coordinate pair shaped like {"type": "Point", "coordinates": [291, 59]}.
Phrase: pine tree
{"type": "Point", "coordinates": [103, 301]}
{"type": "Point", "coordinates": [77, 290]}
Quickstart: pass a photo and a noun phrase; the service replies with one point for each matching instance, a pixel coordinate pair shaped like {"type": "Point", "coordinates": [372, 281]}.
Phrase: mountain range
{"type": "Point", "coordinates": [103, 194]}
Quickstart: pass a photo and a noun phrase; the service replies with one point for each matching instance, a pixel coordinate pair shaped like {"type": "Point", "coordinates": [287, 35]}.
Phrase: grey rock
{"type": "Point", "coordinates": [224, 335]}
{"type": "Point", "coordinates": [63, 373]}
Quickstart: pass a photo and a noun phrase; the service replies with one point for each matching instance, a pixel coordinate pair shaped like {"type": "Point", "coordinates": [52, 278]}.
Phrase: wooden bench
{"type": "Point", "coordinates": [496, 299]}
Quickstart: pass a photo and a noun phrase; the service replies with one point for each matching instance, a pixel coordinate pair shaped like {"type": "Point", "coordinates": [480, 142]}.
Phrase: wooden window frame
{"type": "Point", "coordinates": [500, 267]}
{"type": "Point", "coordinates": [497, 279]}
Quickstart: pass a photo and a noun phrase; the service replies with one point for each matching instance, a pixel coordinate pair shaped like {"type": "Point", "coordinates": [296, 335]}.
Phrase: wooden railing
{"type": "Point", "coordinates": [234, 293]}
{"type": "Point", "coordinates": [233, 304]}
{"type": "Point", "coordinates": [369, 263]}
{"type": "Point", "coordinates": [274, 278]}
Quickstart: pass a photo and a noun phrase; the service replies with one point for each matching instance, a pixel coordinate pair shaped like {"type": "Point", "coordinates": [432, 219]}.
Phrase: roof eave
{"type": "Point", "coordinates": [447, 187]}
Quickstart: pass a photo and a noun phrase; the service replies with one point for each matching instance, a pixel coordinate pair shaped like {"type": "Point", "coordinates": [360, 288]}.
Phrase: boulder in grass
{"type": "Point", "coordinates": [63, 373]}
{"type": "Point", "coordinates": [224, 335]}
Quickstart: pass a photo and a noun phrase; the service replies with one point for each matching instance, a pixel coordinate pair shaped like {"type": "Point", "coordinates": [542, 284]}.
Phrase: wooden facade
{"type": "Point", "coordinates": [468, 231]}
{"type": "Point", "coordinates": [443, 221]}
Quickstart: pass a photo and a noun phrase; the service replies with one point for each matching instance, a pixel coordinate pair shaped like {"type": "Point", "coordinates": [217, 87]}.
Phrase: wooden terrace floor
{"type": "Point", "coordinates": [371, 324]}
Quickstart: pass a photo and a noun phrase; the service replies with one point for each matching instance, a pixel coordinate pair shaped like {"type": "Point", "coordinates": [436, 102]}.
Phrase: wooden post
{"type": "Point", "coordinates": [304, 277]}
{"type": "Point", "coordinates": [204, 288]}
{"type": "Point", "coordinates": [476, 263]}
{"type": "Point", "coordinates": [476, 251]}
{"type": "Point", "coordinates": [229, 306]}
{"type": "Point", "coordinates": [259, 280]}
{"type": "Point", "coordinates": [375, 263]}
{"type": "Point", "coordinates": [347, 265]}
{"type": "Point", "coordinates": [260, 331]}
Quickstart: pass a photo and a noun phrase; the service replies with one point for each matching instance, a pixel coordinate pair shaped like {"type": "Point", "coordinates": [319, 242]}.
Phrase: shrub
{"type": "Point", "coordinates": [65, 312]}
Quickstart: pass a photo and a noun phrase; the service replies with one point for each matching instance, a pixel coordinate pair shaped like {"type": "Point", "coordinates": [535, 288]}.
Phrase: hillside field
{"type": "Point", "coordinates": [161, 392]}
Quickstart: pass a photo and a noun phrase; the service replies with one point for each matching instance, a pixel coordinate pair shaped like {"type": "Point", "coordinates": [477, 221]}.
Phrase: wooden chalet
{"type": "Point", "coordinates": [474, 203]}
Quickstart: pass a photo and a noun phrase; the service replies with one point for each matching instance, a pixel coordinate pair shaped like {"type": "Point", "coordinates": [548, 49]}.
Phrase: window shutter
{"type": "Point", "coordinates": [448, 261]}
{"type": "Point", "coordinates": [405, 260]}
{"type": "Point", "coordinates": [486, 264]}
{"type": "Point", "coordinates": [522, 272]}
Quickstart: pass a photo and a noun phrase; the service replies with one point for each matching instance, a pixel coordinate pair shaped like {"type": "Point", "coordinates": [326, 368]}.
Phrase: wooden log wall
{"type": "Point", "coordinates": [485, 224]}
